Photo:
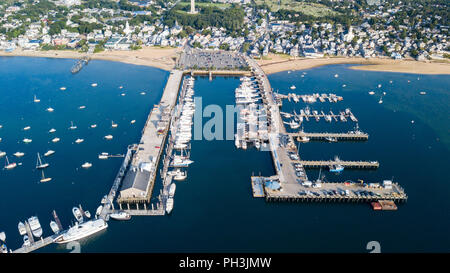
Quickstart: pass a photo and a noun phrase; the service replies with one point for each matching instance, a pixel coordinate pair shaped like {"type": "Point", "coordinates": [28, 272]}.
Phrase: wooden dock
{"type": "Point", "coordinates": [345, 164]}
{"type": "Point", "coordinates": [337, 136]}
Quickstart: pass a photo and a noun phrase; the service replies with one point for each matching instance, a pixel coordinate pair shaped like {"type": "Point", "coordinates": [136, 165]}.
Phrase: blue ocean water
{"type": "Point", "coordinates": [214, 210]}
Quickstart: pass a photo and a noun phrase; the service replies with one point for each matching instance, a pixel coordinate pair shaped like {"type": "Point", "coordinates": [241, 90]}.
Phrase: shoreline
{"type": "Point", "coordinates": [162, 58]}
{"type": "Point", "coordinates": [277, 63]}
{"type": "Point", "coordinates": [165, 59]}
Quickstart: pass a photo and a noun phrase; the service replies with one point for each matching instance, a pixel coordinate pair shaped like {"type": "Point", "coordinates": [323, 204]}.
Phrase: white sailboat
{"type": "Point", "coordinates": [40, 164]}
{"type": "Point", "coordinates": [72, 127]}
{"type": "Point", "coordinates": [9, 166]}
{"type": "Point", "coordinates": [45, 179]}
{"type": "Point", "coordinates": [36, 99]}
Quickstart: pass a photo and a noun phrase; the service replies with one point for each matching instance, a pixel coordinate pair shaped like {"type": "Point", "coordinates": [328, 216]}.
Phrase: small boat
{"type": "Point", "coordinates": [172, 189]}
{"type": "Point", "coordinates": [21, 228]}
{"type": "Point", "coordinates": [94, 84]}
{"type": "Point", "coordinates": [40, 164]}
{"type": "Point", "coordinates": [86, 165]}
{"type": "Point", "coordinates": [113, 125]}
{"type": "Point", "coordinates": [27, 140]}
{"type": "Point", "coordinates": [331, 139]}
{"type": "Point", "coordinates": [50, 109]}
{"type": "Point", "coordinates": [49, 153]}
{"type": "Point", "coordinates": [56, 139]}
{"type": "Point", "coordinates": [2, 154]}
{"type": "Point", "coordinates": [336, 75]}
{"type": "Point", "coordinates": [371, 93]}
{"type": "Point", "coordinates": [336, 168]}
{"type": "Point", "coordinates": [108, 137]}
{"type": "Point", "coordinates": [142, 93]}
{"type": "Point", "coordinates": [180, 176]}
{"type": "Point", "coordinates": [77, 213]}
{"type": "Point", "coordinates": [19, 154]}
{"type": "Point", "coordinates": [82, 107]}
{"type": "Point", "coordinates": [120, 87]}
{"type": "Point", "coordinates": [379, 86]}
{"type": "Point", "coordinates": [423, 93]}
{"type": "Point", "coordinates": [380, 101]}
{"type": "Point", "coordinates": [133, 121]}
{"type": "Point", "coordinates": [94, 126]}
{"type": "Point", "coordinates": [62, 88]}
{"type": "Point", "coordinates": [103, 156]}
{"type": "Point", "coordinates": [293, 87]}
{"type": "Point", "coordinates": [27, 128]}
{"type": "Point", "coordinates": [54, 227]}
{"type": "Point", "coordinates": [99, 210]}
{"type": "Point", "coordinates": [35, 226]}
{"type": "Point", "coordinates": [121, 216]}
{"type": "Point", "coordinates": [52, 130]}
{"type": "Point", "coordinates": [72, 127]}
{"type": "Point", "coordinates": [169, 205]}
{"type": "Point", "coordinates": [303, 139]}
{"type": "Point", "coordinates": [123, 94]}
{"type": "Point", "coordinates": [26, 241]}
{"type": "Point", "coordinates": [82, 230]}
{"type": "Point", "coordinates": [79, 140]}
{"type": "Point", "coordinates": [36, 99]}
{"type": "Point", "coordinates": [87, 214]}
{"type": "Point", "coordinates": [45, 179]}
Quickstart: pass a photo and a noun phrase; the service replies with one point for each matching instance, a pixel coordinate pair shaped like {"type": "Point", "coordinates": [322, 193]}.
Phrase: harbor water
{"type": "Point", "coordinates": [214, 210]}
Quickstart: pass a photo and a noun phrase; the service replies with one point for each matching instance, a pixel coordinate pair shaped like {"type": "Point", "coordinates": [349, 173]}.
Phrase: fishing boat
{"type": "Point", "coordinates": [72, 127]}
{"type": "Point", "coordinates": [82, 230]}
{"type": "Point", "coordinates": [45, 179]}
{"type": "Point", "coordinates": [77, 213]}
{"type": "Point", "coordinates": [21, 228]}
{"type": "Point", "coordinates": [18, 154]}
{"type": "Point", "coordinates": [79, 140]}
{"type": "Point", "coordinates": [50, 109]}
{"type": "Point", "coordinates": [40, 164]}
{"type": "Point", "coordinates": [27, 140]}
{"type": "Point", "coordinates": [49, 153]}
{"type": "Point", "coordinates": [121, 216]}
{"type": "Point", "coordinates": [94, 126]}
{"type": "Point", "coordinates": [86, 165]}
{"type": "Point", "coordinates": [35, 226]}
{"type": "Point", "coordinates": [54, 227]}
{"type": "Point", "coordinates": [36, 99]}
{"type": "Point", "coordinates": [108, 137]}
{"type": "Point", "coordinates": [52, 130]}
{"type": "Point", "coordinates": [9, 166]}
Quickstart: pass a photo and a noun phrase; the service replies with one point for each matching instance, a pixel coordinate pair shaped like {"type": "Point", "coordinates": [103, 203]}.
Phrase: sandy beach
{"type": "Point", "coordinates": [277, 63]}
{"type": "Point", "coordinates": [163, 58]}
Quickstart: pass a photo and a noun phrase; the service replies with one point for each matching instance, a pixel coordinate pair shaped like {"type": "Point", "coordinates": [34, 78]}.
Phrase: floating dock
{"type": "Point", "coordinates": [346, 164]}
{"type": "Point", "coordinates": [337, 136]}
